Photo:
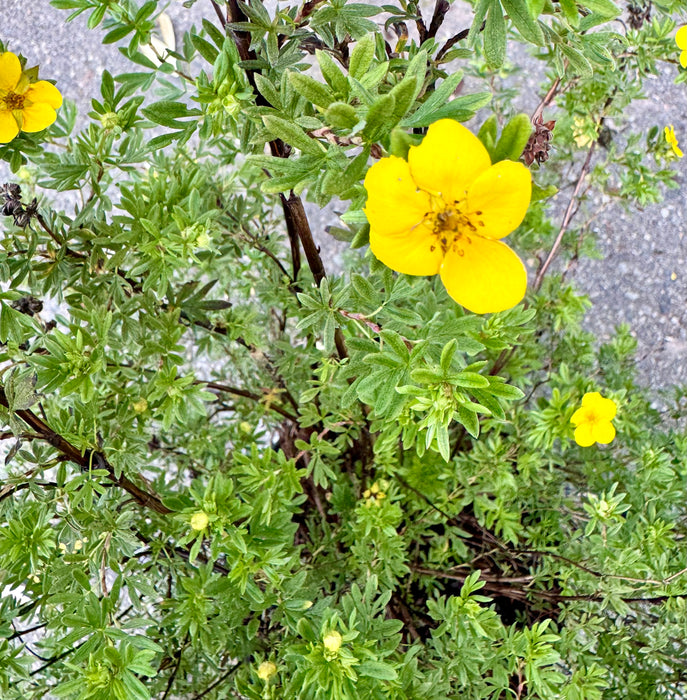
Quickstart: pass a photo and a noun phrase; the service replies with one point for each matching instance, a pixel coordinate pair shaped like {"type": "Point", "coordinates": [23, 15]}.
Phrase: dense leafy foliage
{"type": "Point", "coordinates": [238, 467]}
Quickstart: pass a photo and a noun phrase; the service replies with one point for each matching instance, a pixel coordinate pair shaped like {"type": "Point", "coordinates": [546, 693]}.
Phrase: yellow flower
{"type": "Point", "coordinates": [199, 520]}
{"type": "Point", "coordinates": [444, 211]}
{"type": "Point", "coordinates": [332, 642]}
{"type": "Point", "coordinates": [669, 131]}
{"type": "Point", "coordinates": [681, 41]}
{"type": "Point", "coordinates": [24, 106]}
{"type": "Point", "coordinates": [374, 494]}
{"type": "Point", "coordinates": [266, 670]}
{"type": "Point", "coordinates": [593, 420]}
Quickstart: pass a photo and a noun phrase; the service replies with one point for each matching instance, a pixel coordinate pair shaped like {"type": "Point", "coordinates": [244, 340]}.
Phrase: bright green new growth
{"type": "Point", "coordinates": [241, 467]}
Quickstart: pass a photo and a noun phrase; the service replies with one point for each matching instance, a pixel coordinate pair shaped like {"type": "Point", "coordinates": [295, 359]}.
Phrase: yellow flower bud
{"type": "Point", "coordinates": [199, 520]}
{"type": "Point", "coordinates": [332, 642]}
{"type": "Point", "coordinates": [266, 670]}
{"type": "Point", "coordinates": [78, 545]}
{"type": "Point", "coordinates": [140, 406]}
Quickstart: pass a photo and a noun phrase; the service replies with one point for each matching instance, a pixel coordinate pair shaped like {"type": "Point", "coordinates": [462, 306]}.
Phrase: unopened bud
{"type": "Point", "coordinates": [332, 642]}
{"type": "Point", "coordinates": [266, 670]}
{"type": "Point", "coordinates": [200, 520]}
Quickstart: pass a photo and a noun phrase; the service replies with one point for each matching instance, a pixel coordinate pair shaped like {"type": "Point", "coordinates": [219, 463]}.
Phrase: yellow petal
{"type": "Point", "coordinates": [487, 277]}
{"type": "Point", "coordinates": [603, 432]}
{"type": "Point", "coordinates": [37, 117]}
{"type": "Point", "coordinates": [8, 126]}
{"type": "Point", "coordinates": [413, 253]}
{"type": "Point", "coordinates": [683, 59]}
{"type": "Point", "coordinates": [681, 38]}
{"type": "Point", "coordinates": [580, 416]}
{"type": "Point", "coordinates": [448, 160]}
{"type": "Point", "coordinates": [45, 92]}
{"type": "Point", "coordinates": [10, 71]}
{"type": "Point", "coordinates": [394, 204]}
{"type": "Point", "coordinates": [584, 436]}
{"type": "Point", "coordinates": [502, 194]}
{"type": "Point", "coordinates": [604, 409]}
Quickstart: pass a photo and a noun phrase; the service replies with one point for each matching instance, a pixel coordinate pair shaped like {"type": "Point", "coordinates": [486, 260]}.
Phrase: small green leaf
{"type": "Point", "coordinates": [293, 135]}
{"type": "Point", "coordinates": [495, 36]}
{"type": "Point", "coordinates": [361, 56]}
{"type": "Point", "coordinates": [312, 90]}
{"type": "Point", "coordinates": [514, 138]}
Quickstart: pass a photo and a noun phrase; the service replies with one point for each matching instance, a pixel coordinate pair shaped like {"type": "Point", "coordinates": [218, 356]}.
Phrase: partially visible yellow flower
{"type": "Point", "coordinates": [681, 41]}
{"type": "Point", "coordinates": [444, 211]}
{"type": "Point", "coordinates": [669, 132]}
{"type": "Point", "coordinates": [199, 520]}
{"type": "Point", "coordinates": [374, 494]}
{"type": "Point", "coordinates": [332, 642]}
{"type": "Point", "coordinates": [592, 420]}
{"type": "Point", "coordinates": [140, 405]}
{"type": "Point", "coordinates": [24, 106]}
{"type": "Point", "coordinates": [266, 670]}
{"type": "Point", "coordinates": [580, 135]}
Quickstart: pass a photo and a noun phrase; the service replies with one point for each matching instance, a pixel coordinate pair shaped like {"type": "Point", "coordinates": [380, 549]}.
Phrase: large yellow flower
{"type": "Point", "coordinates": [681, 41]}
{"type": "Point", "coordinates": [592, 420]}
{"type": "Point", "coordinates": [24, 106]}
{"type": "Point", "coordinates": [444, 211]}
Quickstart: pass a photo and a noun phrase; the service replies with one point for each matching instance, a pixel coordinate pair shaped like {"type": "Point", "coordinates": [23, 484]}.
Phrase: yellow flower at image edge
{"type": "Point", "coordinates": [24, 106]}
{"type": "Point", "coordinates": [592, 420]}
{"type": "Point", "coordinates": [681, 41]}
{"type": "Point", "coordinates": [669, 132]}
{"type": "Point", "coordinates": [443, 212]}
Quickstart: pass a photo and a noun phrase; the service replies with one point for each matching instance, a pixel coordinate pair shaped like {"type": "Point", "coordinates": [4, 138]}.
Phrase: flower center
{"type": "Point", "coordinates": [14, 101]}
{"type": "Point", "coordinates": [453, 225]}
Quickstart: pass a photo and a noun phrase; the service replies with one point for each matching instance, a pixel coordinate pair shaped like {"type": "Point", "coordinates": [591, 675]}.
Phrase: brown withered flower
{"type": "Point", "coordinates": [539, 143]}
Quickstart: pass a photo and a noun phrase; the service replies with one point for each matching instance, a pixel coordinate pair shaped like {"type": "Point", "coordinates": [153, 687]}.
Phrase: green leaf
{"type": "Point", "coordinates": [379, 117]}
{"type": "Point", "coordinates": [423, 115]}
{"type": "Point", "coordinates": [378, 670]}
{"type": "Point", "coordinates": [341, 115]}
{"type": "Point", "coordinates": [168, 113]}
{"type": "Point", "coordinates": [578, 62]}
{"type": "Point", "coordinates": [495, 36]}
{"type": "Point", "coordinates": [312, 90]}
{"type": "Point", "coordinates": [514, 138]}
{"type": "Point", "coordinates": [519, 14]}
{"type": "Point", "coordinates": [293, 135]}
{"type": "Point", "coordinates": [332, 73]}
{"type": "Point", "coordinates": [607, 8]}
{"type": "Point", "coordinates": [361, 56]}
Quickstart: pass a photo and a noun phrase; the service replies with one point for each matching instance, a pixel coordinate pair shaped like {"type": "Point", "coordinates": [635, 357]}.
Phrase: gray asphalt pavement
{"type": "Point", "coordinates": [642, 279]}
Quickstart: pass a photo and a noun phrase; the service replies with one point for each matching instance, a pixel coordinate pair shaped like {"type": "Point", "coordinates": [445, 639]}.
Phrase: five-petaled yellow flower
{"type": "Point", "coordinates": [444, 211]}
{"type": "Point", "coordinates": [669, 132]}
{"type": "Point", "coordinates": [592, 420]}
{"type": "Point", "coordinates": [24, 106]}
{"type": "Point", "coordinates": [681, 41]}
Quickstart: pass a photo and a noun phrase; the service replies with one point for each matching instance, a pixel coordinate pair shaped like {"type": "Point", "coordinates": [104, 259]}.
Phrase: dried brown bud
{"type": "Point", "coordinates": [638, 13]}
{"type": "Point", "coordinates": [539, 143]}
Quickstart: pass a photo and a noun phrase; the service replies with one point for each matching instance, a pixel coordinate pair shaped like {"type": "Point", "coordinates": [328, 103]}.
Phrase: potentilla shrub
{"type": "Point", "coordinates": [242, 462]}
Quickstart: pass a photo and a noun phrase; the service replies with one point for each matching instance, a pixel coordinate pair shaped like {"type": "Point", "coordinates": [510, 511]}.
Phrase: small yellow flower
{"type": "Point", "coordinates": [444, 211]}
{"type": "Point", "coordinates": [78, 545]}
{"type": "Point", "coordinates": [592, 420]}
{"type": "Point", "coordinates": [199, 520]}
{"type": "Point", "coordinates": [332, 642]}
{"type": "Point", "coordinates": [62, 547]}
{"type": "Point", "coordinates": [140, 406]}
{"type": "Point", "coordinates": [266, 670]}
{"type": "Point", "coordinates": [669, 132]}
{"type": "Point", "coordinates": [24, 106]}
{"type": "Point", "coordinates": [681, 41]}
{"type": "Point", "coordinates": [374, 494]}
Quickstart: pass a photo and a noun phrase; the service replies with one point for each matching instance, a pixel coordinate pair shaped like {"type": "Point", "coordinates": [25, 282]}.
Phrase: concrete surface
{"type": "Point", "coordinates": [642, 278]}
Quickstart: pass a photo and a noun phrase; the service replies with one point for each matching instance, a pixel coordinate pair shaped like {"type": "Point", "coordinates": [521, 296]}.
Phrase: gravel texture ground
{"type": "Point", "coordinates": [642, 278]}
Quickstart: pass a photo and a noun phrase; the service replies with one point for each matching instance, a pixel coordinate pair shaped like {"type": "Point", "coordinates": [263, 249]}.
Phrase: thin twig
{"type": "Point", "coordinates": [566, 219]}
